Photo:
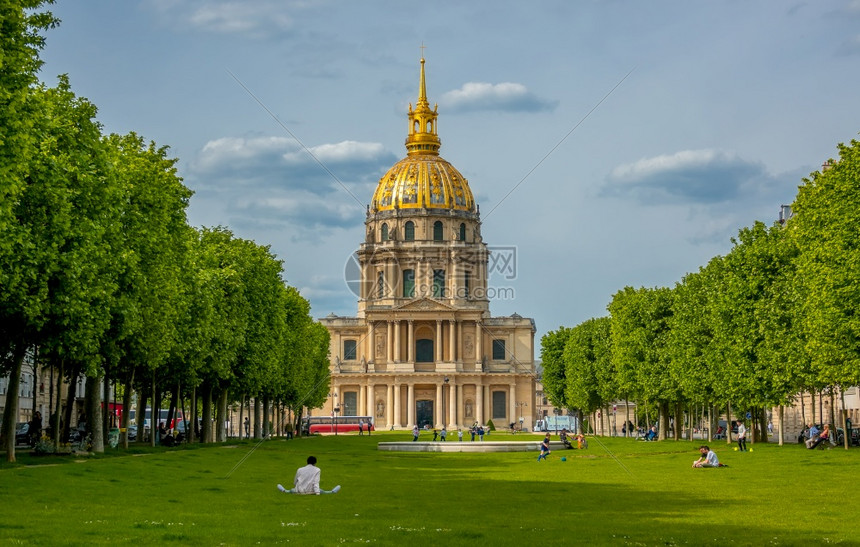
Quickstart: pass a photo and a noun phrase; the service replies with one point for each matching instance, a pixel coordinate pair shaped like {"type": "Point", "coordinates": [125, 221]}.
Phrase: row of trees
{"type": "Point", "coordinates": [102, 276]}
{"type": "Point", "coordinates": [774, 317]}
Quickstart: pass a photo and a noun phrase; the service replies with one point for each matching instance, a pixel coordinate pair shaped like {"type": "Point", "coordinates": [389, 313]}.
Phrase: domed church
{"type": "Point", "coordinates": [423, 348]}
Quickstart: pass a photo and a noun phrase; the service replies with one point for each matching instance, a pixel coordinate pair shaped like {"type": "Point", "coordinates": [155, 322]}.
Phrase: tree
{"type": "Point", "coordinates": [553, 376]}
{"type": "Point", "coordinates": [826, 230]}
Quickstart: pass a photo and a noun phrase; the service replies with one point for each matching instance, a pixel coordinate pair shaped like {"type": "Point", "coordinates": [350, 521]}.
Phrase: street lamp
{"type": "Point", "coordinates": [444, 412]}
{"type": "Point", "coordinates": [336, 410]}
{"type": "Point", "coordinates": [520, 406]}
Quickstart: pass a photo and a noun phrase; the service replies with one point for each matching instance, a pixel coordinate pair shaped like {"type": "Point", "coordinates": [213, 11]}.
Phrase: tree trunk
{"type": "Point", "coordinates": [221, 420]}
{"type": "Point", "coordinates": [92, 402]}
{"type": "Point", "coordinates": [781, 432]}
{"type": "Point", "coordinates": [832, 409]}
{"type": "Point", "coordinates": [802, 410]}
{"type": "Point", "coordinates": [627, 417]}
{"type": "Point", "coordinates": [140, 418]}
{"type": "Point", "coordinates": [105, 414]}
{"type": "Point", "coordinates": [267, 425]}
{"type": "Point", "coordinates": [70, 404]}
{"type": "Point", "coordinates": [155, 412]}
{"type": "Point", "coordinates": [191, 430]}
{"type": "Point", "coordinates": [57, 422]}
{"type": "Point", "coordinates": [10, 412]}
{"type": "Point", "coordinates": [207, 413]}
{"type": "Point", "coordinates": [729, 439]}
{"type": "Point", "coordinates": [258, 433]}
{"type": "Point", "coordinates": [242, 417]}
{"type": "Point", "coordinates": [126, 405]}
{"type": "Point", "coordinates": [664, 421]}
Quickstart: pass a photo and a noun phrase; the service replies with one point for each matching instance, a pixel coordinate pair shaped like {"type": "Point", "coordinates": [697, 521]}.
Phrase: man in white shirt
{"type": "Point", "coordinates": [307, 481]}
{"type": "Point", "coordinates": [708, 458]}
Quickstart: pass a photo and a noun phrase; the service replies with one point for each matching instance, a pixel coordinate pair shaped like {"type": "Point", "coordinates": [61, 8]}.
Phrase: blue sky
{"type": "Point", "coordinates": [611, 143]}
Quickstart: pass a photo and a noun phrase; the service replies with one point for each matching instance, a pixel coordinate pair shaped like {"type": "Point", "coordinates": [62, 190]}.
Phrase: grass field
{"type": "Point", "coordinates": [618, 492]}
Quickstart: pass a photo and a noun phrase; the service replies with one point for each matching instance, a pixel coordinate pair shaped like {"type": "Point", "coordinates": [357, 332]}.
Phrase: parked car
{"type": "Point", "coordinates": [22, 433]}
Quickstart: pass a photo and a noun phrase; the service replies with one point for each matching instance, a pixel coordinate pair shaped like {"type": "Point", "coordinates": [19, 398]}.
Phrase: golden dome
{"type": "Point", "coordinates": [423, 179]}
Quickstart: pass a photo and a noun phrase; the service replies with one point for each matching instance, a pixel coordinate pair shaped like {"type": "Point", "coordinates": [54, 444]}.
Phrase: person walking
{"type": "Point", "coordinates": [415, 433]}
{"type": "Point", "coordinates": [247, 428]}
{"type": "Point", "coordinates": [742, 436]}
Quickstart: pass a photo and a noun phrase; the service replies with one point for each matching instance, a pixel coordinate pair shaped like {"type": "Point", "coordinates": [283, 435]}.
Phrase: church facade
{"type": "Point", "coordinates": [423, 348]}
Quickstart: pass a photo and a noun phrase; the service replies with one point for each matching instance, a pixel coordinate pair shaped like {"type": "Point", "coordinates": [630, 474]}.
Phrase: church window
{"type": "Point", "coordinates": [384, 232]}
{"type": "Point", "coordinates": [349, 347]}
{"type": "Point", "coordinates": [462, 231]}
{"type": "Point", "coordinates": [467, 282]}
{"type": "Point", "coordinates": [409, 231]}
{"type": "Point", "coordinates": [380, 284]}
{"type": "Point", "coordinates": [499, 350]}
{"type": "Point", "coordinates": [349, 406]}
{"type": "Point", "coordinates": [424, 351]}
{"type": "Point", "coordinates": [499, 405]}
{"type": "Point", "coordinates": [438, 283]}
{"type": "Point", "coordinates": [437, 230]}
{"type": "Point", "coordinates": [408, 283]}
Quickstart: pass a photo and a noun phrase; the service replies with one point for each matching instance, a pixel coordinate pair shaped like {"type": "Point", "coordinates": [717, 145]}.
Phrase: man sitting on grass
{"type": "Point", "coordinates": [708, 458]}
{"type": "Point", "coordinates": [307, 481]}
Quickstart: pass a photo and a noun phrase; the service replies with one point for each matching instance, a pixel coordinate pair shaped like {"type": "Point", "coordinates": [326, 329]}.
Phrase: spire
{"type": "Point", "coordinates": [422, 137]}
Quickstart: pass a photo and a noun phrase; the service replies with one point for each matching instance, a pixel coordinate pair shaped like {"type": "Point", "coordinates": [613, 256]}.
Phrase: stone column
{"type": "Point", "coordinates": [479, 342]}
{"type": "Point", "coordinates": [397, 341]}
{"type": "Point", "coordinates": [410, 400]}
{"type": "Point", "coordinates": [410, 339]}
{"type": "Point", "coordinates": [389, 336]}
{"type": "Point", "coordinates": [451, 339]}
{"type": "Point", "coordinates": [370, 341]}
{"type": "Point", "coordinates": [479, 403]}
{"type": "Point", "coordinates": [460, 415]}
{"type": "Point", "coordinates": [440, 412]}
{"type": "Point", "coordinates": [452, 405]}
{"type": "Point", "coordinates": [398, 414]}
{"type": "Point", "coordinates": [371, 401]}
{"type": "Point", "coordinates": [438, 341]}
{"type": "Point", "coordinates": [389, 406]}
{"type": "Point", "coordinates": [513, 403]}
{"type": "Point", "coordinates": [362, 402]}
{"type": "Point", "coordinates": [460, 342]}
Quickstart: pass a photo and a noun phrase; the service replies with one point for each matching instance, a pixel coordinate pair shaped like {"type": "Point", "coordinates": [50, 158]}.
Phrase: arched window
{"type": "Point", "coordinates": [437, 230]}
{"type": "Point", "coordinates": [438, 283]}
{"type": "Point", "coordinates": [409, 231]}
{"type": "Point", "coordinates": [462, 231]}
{"type": "Point", "coordinates": [384, 232]}
{"type": "Point", "coordinates": [380, 284]}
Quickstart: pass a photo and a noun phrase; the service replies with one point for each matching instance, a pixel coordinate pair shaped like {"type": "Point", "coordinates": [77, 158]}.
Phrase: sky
{"type": "Point", "coordinates": [608, 143]}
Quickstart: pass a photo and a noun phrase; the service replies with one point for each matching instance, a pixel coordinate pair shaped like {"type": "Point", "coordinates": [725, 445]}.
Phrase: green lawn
{"type": "Point", "coordinates": [622, 493]}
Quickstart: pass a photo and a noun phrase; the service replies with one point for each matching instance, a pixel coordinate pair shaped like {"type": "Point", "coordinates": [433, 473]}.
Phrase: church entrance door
{"type": "Point", "coordinates": [424, 413]}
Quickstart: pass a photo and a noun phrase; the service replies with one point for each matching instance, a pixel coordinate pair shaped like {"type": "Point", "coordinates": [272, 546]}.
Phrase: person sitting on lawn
{"type": "Point", "coordinates": [824, 436]}
{"type": "Point", "coordinates": [708, 458]}
{"type": "Point", "coordinates": [307, 481]}
{"type": "Point", "coordinates": [565, 439]}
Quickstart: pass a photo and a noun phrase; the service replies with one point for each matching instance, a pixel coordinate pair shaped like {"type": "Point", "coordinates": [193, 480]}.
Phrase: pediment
{"type": "Point", "coordinates": [425, 304]}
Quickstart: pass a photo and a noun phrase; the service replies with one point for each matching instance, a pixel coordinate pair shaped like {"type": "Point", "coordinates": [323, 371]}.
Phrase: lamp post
{"type": "Point", "coordinates": [520, 406]}
{"type": "Point", "coordinates": [444, 408]}
{"type": "Point", "coordinates": [336, 410]}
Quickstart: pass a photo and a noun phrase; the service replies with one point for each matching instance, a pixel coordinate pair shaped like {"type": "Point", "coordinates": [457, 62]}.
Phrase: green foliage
{"type": "Point", "coordinates": [826, 228]}
{"type": "Point", "coordinates": [552, 361]}
{"type": "Point", "coordinates": [490, 425]}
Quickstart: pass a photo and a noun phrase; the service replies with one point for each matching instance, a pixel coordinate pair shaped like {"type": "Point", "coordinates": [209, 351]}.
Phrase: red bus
{"type": "Point", "coordinates": [329, 425]}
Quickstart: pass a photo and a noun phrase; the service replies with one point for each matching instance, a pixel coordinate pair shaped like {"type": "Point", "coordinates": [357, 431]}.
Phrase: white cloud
{"type": "Point", "coordinates": [267, 162]}
{"type": "Point", "coordinates": [258, 18]}
{"type": "Point", "coordinates": [506, 96]}
{"type": "Point", "coordinates": [693, 176]}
